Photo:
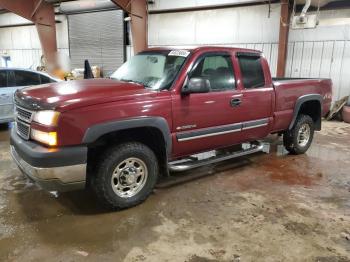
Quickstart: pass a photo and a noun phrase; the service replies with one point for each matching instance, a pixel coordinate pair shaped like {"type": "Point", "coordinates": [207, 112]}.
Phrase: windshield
{"type": "Point", "coordinates": [153, 70]}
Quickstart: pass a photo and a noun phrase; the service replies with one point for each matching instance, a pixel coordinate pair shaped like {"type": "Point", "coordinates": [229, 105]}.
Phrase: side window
{"type": "Point", "coordinates": [3, 78]}
{"type": "Point", "coordinates": [45, 79]}
{"type": "Point", "coordinates": [24, 78]}
{"type": "Point", "coordinates": [218, 70]}
{"type": "Point", "coordinates": [252, 71]}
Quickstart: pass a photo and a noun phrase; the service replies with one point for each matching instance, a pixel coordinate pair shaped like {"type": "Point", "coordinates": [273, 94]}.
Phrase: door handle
{"type": "Point", "coordinates": [235, 102]}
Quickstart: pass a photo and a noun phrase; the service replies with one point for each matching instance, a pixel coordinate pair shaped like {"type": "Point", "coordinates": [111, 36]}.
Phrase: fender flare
{"type": "Point", "coordinates": [300, 101]}
{"type": "Point", "coordinates": [96, 131]}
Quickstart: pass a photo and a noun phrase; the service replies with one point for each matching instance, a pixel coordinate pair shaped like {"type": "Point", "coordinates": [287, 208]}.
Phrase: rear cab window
{"type": "Point", "coordinates": [252, 70]}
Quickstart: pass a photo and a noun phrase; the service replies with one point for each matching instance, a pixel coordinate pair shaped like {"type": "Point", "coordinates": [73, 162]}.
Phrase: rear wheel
{"type": "Point", "coordinates": [126, 175]}
{"type": "Point", "coordinates": [299, 138]}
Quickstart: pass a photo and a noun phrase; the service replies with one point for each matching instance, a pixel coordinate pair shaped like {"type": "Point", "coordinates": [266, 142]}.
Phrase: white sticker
{"type": "Point", "coordinates": [183, 53]}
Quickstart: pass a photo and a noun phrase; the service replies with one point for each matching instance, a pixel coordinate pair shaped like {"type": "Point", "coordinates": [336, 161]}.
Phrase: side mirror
{"type": "Point", "coordinates": [196, 85]}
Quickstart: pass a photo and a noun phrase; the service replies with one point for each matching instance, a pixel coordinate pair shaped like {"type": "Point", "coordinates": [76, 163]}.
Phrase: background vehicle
{"type": "Point", "coordinates": [12, 79]}
{"type": "Point", "coordinates": [162, 106]}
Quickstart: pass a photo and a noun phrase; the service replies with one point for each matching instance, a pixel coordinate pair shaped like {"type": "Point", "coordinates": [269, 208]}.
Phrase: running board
{"type": "Point", "coordinates": [181, 165]}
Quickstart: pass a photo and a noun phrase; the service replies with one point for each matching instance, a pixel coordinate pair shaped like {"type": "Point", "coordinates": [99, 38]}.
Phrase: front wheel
{"type": "Point", "coordinates": [126, 175]}
{"type": "Point", "coordinates": [298, 139]}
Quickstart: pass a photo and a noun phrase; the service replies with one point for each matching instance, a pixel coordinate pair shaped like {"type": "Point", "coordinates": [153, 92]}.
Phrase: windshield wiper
{"type": "Point", "coordinates": [134, 81]}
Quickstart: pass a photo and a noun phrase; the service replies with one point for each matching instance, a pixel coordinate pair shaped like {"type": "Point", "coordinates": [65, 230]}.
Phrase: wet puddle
{"type": "Point", "coordinates": [276, 165]}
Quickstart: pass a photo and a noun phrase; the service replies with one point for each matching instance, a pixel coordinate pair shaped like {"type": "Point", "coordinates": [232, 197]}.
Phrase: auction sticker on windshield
{"type": "Point", "coordinates": [183, 53]}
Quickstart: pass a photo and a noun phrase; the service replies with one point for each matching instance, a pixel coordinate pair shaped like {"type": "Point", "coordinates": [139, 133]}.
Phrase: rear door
{"type": "Point", "coordinates": [6, 95]}
{"type": "Point", "coordinates": [257, 95]}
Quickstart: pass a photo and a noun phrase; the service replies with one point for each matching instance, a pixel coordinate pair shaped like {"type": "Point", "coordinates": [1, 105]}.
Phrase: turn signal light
{"type": "Point", "coordinates": [48, 138]}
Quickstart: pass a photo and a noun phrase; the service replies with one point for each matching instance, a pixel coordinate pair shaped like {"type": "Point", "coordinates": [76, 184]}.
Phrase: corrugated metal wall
{"type": "Point", "coordinates": [323, 52]}
{"type": "Point", "coordinates": [313, 59]}
{"type": "Point", "coordinates": [253, 24]}
{"type": "Point", "coordinates": [322, 59]}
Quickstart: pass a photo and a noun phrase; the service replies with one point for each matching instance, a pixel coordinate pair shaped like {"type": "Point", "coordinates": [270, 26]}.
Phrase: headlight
{"type": "Point", "coordinates": [48, 138]}
{"type": "Point", "coordinates": [46, 117]}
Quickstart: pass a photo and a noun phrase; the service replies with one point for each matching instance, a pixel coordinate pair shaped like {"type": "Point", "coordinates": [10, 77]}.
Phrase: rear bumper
{"type": "Point", "coordinates": [62, 169]}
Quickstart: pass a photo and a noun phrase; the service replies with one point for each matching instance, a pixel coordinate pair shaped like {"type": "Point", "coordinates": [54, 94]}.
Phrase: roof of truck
{"type": "Point", "coordinates": [193, 49]}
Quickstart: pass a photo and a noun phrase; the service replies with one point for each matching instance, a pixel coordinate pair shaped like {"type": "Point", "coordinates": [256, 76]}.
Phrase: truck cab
{"type": "Point", "coordinates": [236, 107]}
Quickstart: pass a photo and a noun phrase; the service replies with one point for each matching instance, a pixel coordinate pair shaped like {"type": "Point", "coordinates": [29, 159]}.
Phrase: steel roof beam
{"type": "Point", "coordinates": [137, 10]}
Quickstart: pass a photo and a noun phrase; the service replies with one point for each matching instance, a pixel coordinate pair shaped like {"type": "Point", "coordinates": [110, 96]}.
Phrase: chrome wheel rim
{"type": "Point", "coordinates": [304, 135]}
{"type": "Point", "coordinates": [129, 177]}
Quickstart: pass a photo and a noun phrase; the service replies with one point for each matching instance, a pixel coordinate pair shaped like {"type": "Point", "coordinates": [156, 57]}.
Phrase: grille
{"type": "Point", "coordinates": [24, 114]}
{"type": "Point", "coordinates": [23, 120]}
{"type": "Point", "coordinates": [23, 130]}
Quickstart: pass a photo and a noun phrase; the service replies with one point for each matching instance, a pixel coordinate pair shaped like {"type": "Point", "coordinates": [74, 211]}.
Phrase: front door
{"type": "Point", "coordinates": [204, 121]}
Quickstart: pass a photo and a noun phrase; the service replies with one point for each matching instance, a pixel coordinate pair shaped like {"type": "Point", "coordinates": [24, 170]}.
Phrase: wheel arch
{"type": "Point", "coordinates": [147, 130]}
{"type": "Point", "coordinates": [97, 131]}
{"type": "Point", "coordinates": [311, 105]}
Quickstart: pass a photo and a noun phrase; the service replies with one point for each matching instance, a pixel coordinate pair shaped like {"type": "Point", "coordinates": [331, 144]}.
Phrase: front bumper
{"type": "Point", "coordinates": [59, 169]}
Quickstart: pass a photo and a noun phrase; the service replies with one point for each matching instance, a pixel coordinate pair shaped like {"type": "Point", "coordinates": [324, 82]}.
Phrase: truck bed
{"type": "Point", "coordinates": [283, 79]}
{"type": "Point", "coordinates": [289, 90]}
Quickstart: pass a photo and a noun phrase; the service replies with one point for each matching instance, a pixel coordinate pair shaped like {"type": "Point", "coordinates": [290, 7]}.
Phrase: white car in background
{"type": "Point", "coordinates": [12, 79]}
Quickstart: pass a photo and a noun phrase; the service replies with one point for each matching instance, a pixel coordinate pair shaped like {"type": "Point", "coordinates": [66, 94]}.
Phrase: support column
{"type": "Point", "coordinates": [139, 25]}
{"type": "Point", "coordinates": [46, 27]}
{"type": "Point", "coordinates": [137, 10]}
{"type": "Point", "coordinates": [283, 38]}
{"type": "Point", "coordinates": [42, 15]}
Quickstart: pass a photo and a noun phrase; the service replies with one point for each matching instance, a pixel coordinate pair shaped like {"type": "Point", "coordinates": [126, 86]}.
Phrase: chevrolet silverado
{"type": "Point", "coordinates": [119, 135]}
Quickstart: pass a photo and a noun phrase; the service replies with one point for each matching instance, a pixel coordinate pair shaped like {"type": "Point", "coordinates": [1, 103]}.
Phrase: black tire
{"type": "Point", "coordinates": [111, 159]}
{"type": "Point", "coordinates": [291, 137]}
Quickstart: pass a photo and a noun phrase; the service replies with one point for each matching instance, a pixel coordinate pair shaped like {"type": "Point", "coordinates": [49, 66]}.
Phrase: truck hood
{"type": "Point", "coordinates": [68, 95]}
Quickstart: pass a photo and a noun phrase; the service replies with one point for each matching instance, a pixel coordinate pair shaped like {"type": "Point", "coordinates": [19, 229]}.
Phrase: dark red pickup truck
{"type": "Point", "coordinates": [161, 107]}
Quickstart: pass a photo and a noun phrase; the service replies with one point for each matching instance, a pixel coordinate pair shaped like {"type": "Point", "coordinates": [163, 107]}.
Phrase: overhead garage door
{"type": "Point", "coordinates": [98, 37]}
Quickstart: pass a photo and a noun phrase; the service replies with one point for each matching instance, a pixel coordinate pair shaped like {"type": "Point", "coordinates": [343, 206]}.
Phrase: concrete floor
{"type": "Point", "coordinates": [266, 207]}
